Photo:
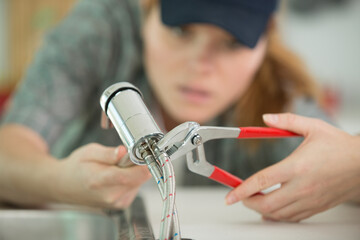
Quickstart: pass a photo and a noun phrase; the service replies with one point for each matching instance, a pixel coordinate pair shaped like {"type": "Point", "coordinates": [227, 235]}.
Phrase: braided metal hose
{"type": "Point", "coordinates": [163, 173]}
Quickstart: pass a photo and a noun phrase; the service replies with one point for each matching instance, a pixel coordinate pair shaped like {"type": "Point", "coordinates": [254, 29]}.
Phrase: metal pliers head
{"type": "Point", "coordinates": [188, 139]}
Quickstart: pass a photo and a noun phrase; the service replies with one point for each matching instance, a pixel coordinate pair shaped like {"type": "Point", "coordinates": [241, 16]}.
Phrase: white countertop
{"type": "Point", "coordinates": [204, 215]}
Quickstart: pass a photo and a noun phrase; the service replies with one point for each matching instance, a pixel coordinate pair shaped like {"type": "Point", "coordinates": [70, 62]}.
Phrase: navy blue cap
{"type": "Point", "coordinates": [246, 20]}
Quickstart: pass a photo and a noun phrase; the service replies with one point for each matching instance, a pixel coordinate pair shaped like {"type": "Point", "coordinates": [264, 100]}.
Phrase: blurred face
{"type": "Point", "coordinates": [199, 70]}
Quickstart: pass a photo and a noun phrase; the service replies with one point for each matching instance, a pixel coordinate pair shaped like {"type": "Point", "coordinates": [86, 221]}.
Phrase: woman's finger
{"type": "Point", "coordinates": [288, 212]}
{"type": "Point", "coordinates": [120, 152]}
{"type": "Point", "coordinates": [292, 122]}
{"type": "Point", "coordinates": [131, 176]}
{"type": "Point", "coordinates": [271, 202]}
{"type": "Point", "coordinates": [301, 216]}
{"type": "Point", "coordinates": [101, 154]}
{"type": "Point", "coordinates": [278, 173]}
{"type": "Point", "coordinates": [98, 153]}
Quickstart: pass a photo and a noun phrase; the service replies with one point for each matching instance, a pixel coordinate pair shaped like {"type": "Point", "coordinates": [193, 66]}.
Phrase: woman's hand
{"type": "Point", "coordinates": [321, 173]}
{"type": "Point", "coordinates": [90, 176]}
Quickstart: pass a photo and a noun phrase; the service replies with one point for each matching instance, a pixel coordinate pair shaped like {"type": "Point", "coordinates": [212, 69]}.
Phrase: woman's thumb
{"type": "Point", "coordinates": [289, 121]}
{"type": "Point", "coordinates": [102, 154]}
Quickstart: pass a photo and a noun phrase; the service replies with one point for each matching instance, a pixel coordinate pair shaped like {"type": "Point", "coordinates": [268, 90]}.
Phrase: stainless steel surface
{"type": "Point", "coordinates": [133, 223]}
{"type": "Point", "coordinates": [55, 225]}
{"type": "Point", "coordinates": [105, 97]}
{"type": "Point", "coordinates": [123, 105]}
{"type": "Point", "coordinates": [129, 224]}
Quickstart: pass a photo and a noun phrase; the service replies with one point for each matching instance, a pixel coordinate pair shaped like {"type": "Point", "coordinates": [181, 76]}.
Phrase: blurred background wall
{"type": "Point", "coordinates": [3, 41]}
{"type": "Point", "coordinates": [325, 33]}
{"type": "Point", "coordinates": [23, 24]}
{"type": "Point", "coordinates": [22, 27]}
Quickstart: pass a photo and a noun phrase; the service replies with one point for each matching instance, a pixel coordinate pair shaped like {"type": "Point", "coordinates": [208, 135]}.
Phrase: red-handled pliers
{"type": "Point", "coordinates": [188, 138]}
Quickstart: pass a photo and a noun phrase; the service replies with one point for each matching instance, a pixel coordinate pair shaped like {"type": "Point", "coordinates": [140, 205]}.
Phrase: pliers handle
{"type": "Point", "coordinates": [188, 138]}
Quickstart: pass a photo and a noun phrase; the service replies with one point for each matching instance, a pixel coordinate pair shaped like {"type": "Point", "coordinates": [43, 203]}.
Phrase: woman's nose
{"type": "Point", "coordinates": [202, 57]}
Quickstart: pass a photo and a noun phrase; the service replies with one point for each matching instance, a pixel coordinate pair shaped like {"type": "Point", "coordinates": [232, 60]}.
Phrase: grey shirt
{"type": "Point", "coordinates": [97, 44]}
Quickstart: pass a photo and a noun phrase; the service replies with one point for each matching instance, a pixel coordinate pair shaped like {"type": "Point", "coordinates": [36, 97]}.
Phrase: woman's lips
{"type": "Point", "coordinates": [196, 96]}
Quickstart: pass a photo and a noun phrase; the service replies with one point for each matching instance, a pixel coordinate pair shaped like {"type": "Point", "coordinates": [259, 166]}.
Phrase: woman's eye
{"type": "Point", "coordinates": [234, 44]}
{"type": "Point", "coordinates": [179, 31]}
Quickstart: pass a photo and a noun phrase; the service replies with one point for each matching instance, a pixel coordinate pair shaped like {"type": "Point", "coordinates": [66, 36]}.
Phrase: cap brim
{"type": "Point", "coordinates": [245, 25]}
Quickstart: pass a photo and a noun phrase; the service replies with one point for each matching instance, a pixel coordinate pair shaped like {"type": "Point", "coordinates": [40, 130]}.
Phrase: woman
{"type": "Point", "coordinates": [190, 61]}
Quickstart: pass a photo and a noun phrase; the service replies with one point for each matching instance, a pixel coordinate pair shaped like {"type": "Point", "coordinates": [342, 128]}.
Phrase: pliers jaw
{"type": "Point", "coordinates": [175, 143]}
{"type": "Point", "coordinates": [196, 162]}
{"type": "Point", "coordinates": [189, 135]}
{"type": "Point", "coordinates": [188, 139]}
